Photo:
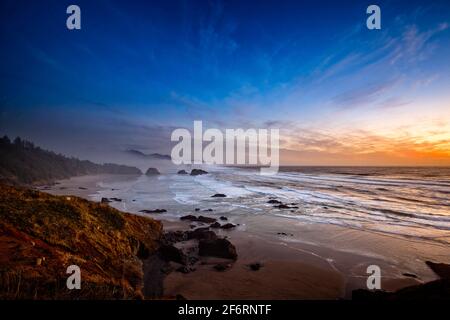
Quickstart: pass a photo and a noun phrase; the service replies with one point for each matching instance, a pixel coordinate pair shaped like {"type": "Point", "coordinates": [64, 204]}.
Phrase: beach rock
{"type": "Point", "coordinates": [206, 219]}
{"type": "Point", "coordinates": [166, 268]}
{"type": "Point", "coordinates": [197, 209]}
{"type": "Point", "coordinates": [222, 266]}
{"type": "Point", "coordinates": [182, 172]}
{"type": "Point", "coordinates": [215, 225]}
{"type": "Point", "coordinates": [228, 226]}
{"type": "Point", "coordinates": [274, 201]}
{"type": "Point", "coordinates": [82, 188]}
{"type": "Point", "coordinates": [116, 199]}
{"type": "Point", "coordinates": [183, 269]}
{"type": "Point", "coordinates": [193, 260]}
{"type": "Point", "coordinates": [255, 266]}
{"type": "Point", "coordinates": [151, 172]}
{"type": "Point", "coordinates": [219, 195]}
{"type": "Point", "coordinates": [223, 218]}
{"type": "Point", "coordinates": [174, 237]}
{"type": "Point", "coordinates": [105, 200]}
{"type": "Point", "coordinates": [189, 217]}
{"type": "Point", "coordinates": [153, 211]}
{"type": "Point", "coordinates": [201, 234]}
{"type": "Point", "coordinates": [196, 172]}
{"type": "Point", "coordinates": [282, 206]}
{"type": "Point", "coordinates": [171, 253]}
{"type": "Point", "coordinates": [221, 248]}
{"type": "Point", "coordinates": [209, 210]}
{"type": "Point", "coordinates": [441, 269]}
{"type": "Point", "coordinates": [284, 234]}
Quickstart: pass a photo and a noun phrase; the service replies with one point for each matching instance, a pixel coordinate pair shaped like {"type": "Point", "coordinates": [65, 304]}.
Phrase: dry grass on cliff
{"type": "Point", "coordinates": [41, 235]}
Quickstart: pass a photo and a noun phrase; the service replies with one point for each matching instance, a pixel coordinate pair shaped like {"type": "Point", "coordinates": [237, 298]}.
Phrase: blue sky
{"type": "Point", "coordinates": [137, 69]}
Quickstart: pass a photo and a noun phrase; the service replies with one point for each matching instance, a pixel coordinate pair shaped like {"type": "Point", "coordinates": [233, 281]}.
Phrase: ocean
{"type": "Point", "coordinates": [406, 202]}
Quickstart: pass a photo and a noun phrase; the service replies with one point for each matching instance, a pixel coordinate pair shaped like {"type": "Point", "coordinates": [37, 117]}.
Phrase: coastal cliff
{"type": "Point", "coordinates": [41, 235]}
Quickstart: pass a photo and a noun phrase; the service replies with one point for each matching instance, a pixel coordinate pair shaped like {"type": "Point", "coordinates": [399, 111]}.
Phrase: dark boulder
{"type": "Point", "coordinates": [223, 218]}
{"type": "Point", "coordinates": [201, 234]}
{"type": "Point", "coordinates": [174, 237]}
{"type": "Point", "coordinates": [284, 234]}
{"type": "Point", "coordinates": [171, 253]}
{"type": "Point", "coordinates": [189, 217]}
{"type": "Point", "coordinates": [282, 206]}
{"type": "Point", "coordinates": [182, 172]}
{"type": "Point", "coordinates": [215, 225]}
{"type": "Point", "coordinates": [228, 226]}
{"type": "Point", "coordinates": [255, 266]}
{"type": "Point", "coordinates": [183, 269]}
{"type": "Point", "coordinates": [105, 200]}
{"type": "Point", "coordinates": [153, 211]}
{"type": "Point", "coordinates": [152, 171]}
{"type": "Point", "coordinates": [206, 219]}
{"type": "Point", "coordinates": [196, 172]}
{"type": "Point", "coordinates": [219, 195]}
{"type": "Point", "coordinates": [222, 266]}
{"type": "Point", "coordinates": [274, 201]}
{"type": "Point", "coordinates": [221, 248]}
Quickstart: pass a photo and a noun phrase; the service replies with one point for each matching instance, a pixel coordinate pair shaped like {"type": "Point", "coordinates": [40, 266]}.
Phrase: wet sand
{"type": "Point", "coordinates": [311, 261]}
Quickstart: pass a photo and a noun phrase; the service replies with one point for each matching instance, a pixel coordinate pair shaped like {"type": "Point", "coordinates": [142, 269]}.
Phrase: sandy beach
{"type": "Point", "coordinates": [298, 260]}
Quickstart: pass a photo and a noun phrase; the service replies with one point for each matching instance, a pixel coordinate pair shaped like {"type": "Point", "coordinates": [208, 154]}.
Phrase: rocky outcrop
{"type": "Point", "coordinates": [169, 252]}
{"type": "Point", "coordinates": [203, 219]}
{"type": "Point", "coordinates": [152, 172]}
{"type": "Point", "coordinates": [182, 172]}
{"type": "Point", "coordinates": [153, 211]}
{"type": "Point", "coordinates": [228, 226]}
{"type": "Point", "coordinates": [255, 266]}
{"type": "Point", "coordinates": [219, 195]}
{"type": "Point", "coordinates": [201, 234]}
{"type": "Point", "coordinates": [221, 248]}
{"type": "Point", "coordinates": [197, 172]}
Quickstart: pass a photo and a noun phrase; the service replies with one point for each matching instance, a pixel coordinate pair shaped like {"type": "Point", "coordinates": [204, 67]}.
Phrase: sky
{"type": "Point", "coordinates": [340, 94]}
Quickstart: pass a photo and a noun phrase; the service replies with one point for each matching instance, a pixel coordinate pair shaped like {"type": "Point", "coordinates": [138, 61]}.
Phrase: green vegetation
{"type": "Point", "coordinates": [23, 163]}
